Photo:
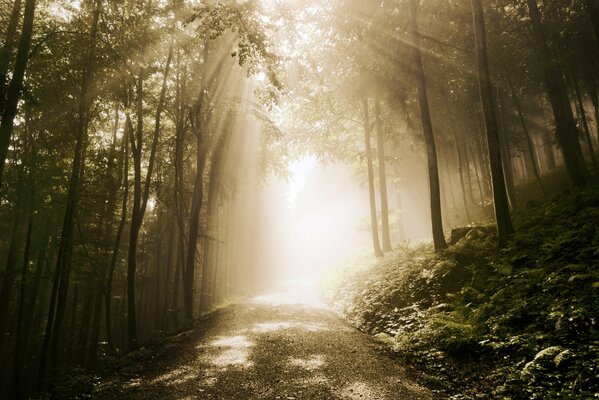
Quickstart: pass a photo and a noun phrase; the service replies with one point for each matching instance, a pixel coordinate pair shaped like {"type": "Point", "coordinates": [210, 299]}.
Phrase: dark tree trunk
{"type": "Point", "coordinates": [500, 199]}
{"type": "Point", "coordinates": [13, 93]}
{"type": "Point", "coordinates": [380, 140]}
{"type": "Point", "coordinates": [373, 215]}
{"type": "Point", "coordinates": [9, 273]}
{"type": "Point", "coordinates": [7, 50]}
{"type": "Point", "coordinates": [91, 352]}
{"type": "Point", "coordinates": [141, 195]}
{"type": "Point", "coordinates": [119, 234]}
{"type": "Point", "coordinates": [427, 127]}
{"type": "Point", "coordinates": [585, 123]}
{"type": "Point", "coordinates": [136, 219]}
{"type": "Point", "coordinates": [565, 125]}
{"type": "Point", "coordinates": [65, 248]}
{"type": "Point", "coordinates": [21, 345]}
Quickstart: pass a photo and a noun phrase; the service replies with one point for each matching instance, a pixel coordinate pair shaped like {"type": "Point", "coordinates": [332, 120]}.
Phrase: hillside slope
{"type": "Point", "coordinates": [480, 322]}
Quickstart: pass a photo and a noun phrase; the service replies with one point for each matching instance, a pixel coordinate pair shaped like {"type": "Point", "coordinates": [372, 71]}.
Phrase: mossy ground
{"type": "Point", "coordinates": [476, 321]}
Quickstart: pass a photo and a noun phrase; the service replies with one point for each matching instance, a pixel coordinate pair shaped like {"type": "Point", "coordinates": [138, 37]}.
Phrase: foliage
{"type": "Point", "coordinates": [520, 322]}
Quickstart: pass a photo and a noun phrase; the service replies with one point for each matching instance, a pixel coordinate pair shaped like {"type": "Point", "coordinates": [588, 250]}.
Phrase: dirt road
{"type": "Point", "coordinates": [268, 348]}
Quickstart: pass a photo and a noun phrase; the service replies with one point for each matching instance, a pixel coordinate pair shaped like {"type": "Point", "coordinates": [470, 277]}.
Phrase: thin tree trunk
{"type": "Point", "coordinates": [21, 345]}
{"type": "Point", "coordinates": [481, 193]}
{"type": "Point", "coordinates": [119, 234]}
{"type": "Point", "coordinates": [136, 219]}
{"type": "Point", "coordinates": [194, 227]}
{"type": "Point", "coordinates": [506, 151]}
{"type": "Point", "coordinates": [528, 137]}
{"type": "Point", "coordinates": [460, 158]}
{"type": "Point", "coordinates": [585, 124]}
{"type": "Point", "coordinates": [197, 118]}
{"type": "Point", "coordinates": [429, 137]}
{"type": "Point", "coordinates": [91, 355]}
{"type": "Point", "coordinates": [215, 184]}
{"type": "Point", "coordinates": [382, 176]}
{"type": "Point", "coordinates": [373, 215]}
{"type": "Point", "coordinates": [462, 176]}
{"type": "Point", "coordinates": [172, 236]}
{"type": "Point", "coordinates": [140, 198]}
{"type": "Point", "coordinates": [9, 272]}
{"type": "Point", "coordinates": [548, 138]}
{"type": "Point", "coordinates": [484, 166]}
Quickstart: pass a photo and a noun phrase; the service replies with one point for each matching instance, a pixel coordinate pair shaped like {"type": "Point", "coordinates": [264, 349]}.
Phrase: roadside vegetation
{"type": "Point", "coordinates": [476, 321]}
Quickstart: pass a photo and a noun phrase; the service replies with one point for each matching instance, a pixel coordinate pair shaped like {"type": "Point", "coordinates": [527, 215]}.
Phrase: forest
{"type": "Point", "coordinates": [242, 199]}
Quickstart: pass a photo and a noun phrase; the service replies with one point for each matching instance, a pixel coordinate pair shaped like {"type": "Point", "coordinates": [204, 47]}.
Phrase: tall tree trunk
{"type": "Point", "coordinates": [528, 137]}
{"type": "Point", "coordinates": [65, 248]}
{"type": "Point", "coordinates": [371, 190]}
{"type": "Point", "coordinates": [481, 192]}
{"type": "Point", "coordinates": [7, 50]}
{"type": "Point", "coordinates": [9, 272]}
{"type": "Point", "coordinates": [548, 138]}
{"type": "Point", "coordinates": [380, 140]}
{"type": "Point", "coordinates": [462, 173]}
{"type": "Point", "coordinates": [13, 93]}
{"type": "Point", "coordinates": [460, 158]}
{"type": "Point", "coordinates": [506, 151]}
{"type": "Point", "coordinates": [500, 199]}
{"type": "Point", "coordinates": [214, 188]}
{"type": "Point", "coordinates": [585, 124]}
{"type": "Point", "coordinates": [484, 165]}
{"type": "Point", "coordinates": [119, 234]}
{"type": "Point", "coordinates": [566, 132]}
{"type": "Point", "coordinates": [198, 120]}
{"type": "Point", "coordinates": [141, 195]}
{"type": "Point", "coordinates": [427, 127]}
{"type": "Point", "coordinates": [21, 345]}
{"type": "Point", "coordinates": [136, 218]}
{"type": "Point", "coordinates": [194, 225]}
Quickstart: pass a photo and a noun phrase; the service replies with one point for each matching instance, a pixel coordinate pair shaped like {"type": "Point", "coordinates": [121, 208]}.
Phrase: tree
{"type": "Point", "coordinates": [371, 189]}
{"type": "Point", "coordinates": [427, 127]}
{"type": "Point", "coordinates": [13, 94]}
{"type": "Point", "coordinates": [500, 199]}
{"type": "Point", "coordinates": [380, 141]}
{"type": "Point", "coordinates": [565, 127]}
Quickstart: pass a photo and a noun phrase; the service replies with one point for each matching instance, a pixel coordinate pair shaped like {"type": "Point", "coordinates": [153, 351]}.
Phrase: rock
{"type": "Point", "coordinates": [458, 233]}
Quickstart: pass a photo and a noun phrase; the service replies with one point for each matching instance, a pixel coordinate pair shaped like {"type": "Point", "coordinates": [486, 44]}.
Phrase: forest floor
{"type": "Point", "coordinates": [268, 347]}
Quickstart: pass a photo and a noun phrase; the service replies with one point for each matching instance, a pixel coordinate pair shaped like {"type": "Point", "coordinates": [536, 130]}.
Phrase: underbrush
{"type": "Point", "coordinates": [480, 322]}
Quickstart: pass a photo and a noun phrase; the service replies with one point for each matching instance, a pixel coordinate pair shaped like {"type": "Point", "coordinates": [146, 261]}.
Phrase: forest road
{"type": "Point", "coordinates": [267, 348]}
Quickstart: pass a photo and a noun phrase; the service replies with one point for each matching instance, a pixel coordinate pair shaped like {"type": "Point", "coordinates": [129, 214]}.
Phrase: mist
{"type": "Point", "coordinates": [203, 170]}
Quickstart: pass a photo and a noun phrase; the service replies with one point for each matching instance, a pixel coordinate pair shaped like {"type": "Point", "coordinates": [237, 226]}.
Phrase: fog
{"type": "Point", "coordinates": [312, 220]}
